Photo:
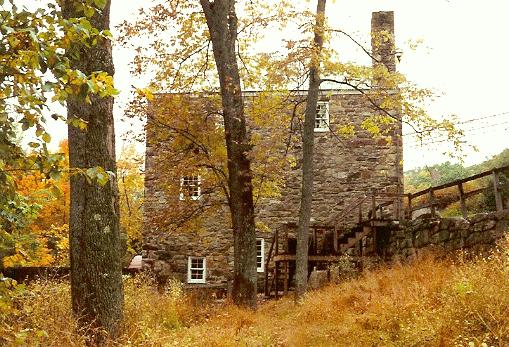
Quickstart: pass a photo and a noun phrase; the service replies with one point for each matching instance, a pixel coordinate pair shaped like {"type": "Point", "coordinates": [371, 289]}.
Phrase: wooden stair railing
{"type": "Point", "coordinates": [343, 214]}
{"type": "Point", "coordinates": [359, 235]}
{"type": "Point", "coordinates": [273, 244]}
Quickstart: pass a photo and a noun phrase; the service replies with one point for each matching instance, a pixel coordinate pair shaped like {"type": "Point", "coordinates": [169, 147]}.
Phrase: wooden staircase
{"type": "Point", "coordinates": [279, 264]}
{"type": "Point", "coordinates": [352, 238]}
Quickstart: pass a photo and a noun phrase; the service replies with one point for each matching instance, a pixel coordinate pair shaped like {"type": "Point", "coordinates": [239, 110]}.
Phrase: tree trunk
{"type": "Point", "coordinates": [96, 267]}
{"type": "Point", "coordinates": [301, 271]}
{"type": "Point", "coordinates": [222, 23]}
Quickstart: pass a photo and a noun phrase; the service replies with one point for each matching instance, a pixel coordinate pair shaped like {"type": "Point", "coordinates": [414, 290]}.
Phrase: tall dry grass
{"type": "Point", "coordinates": [432, 302]}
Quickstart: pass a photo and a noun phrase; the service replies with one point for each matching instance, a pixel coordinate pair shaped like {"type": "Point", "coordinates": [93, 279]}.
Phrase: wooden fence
{"type": "Point", "coordinates": [383, 205]}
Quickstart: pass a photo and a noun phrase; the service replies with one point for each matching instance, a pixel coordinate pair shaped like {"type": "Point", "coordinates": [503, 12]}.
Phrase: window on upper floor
{"type": "Point", "coordinates": [260, 255]}
{"type": "Point", "coordinates": [190, 187]}
{"type": "Point", "coordinates": [322, 116]}
{"type": "Point", "coordinates": [196, 270]}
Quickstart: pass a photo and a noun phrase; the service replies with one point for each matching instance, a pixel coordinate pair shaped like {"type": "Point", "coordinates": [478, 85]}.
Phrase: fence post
{"type": "Point", "coordinates": [498, 196]}
{"type": "Point", "coordinates": [409, 212]}
{"type": "Point", "coordinates": [462, 200]}
{"type": "Point", "coordinates": [432, 202]}
{"type": "Point", "coordinates": [276, 250]}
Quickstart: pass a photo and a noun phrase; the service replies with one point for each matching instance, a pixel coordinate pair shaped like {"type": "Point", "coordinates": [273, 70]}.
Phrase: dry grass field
{"type": "Point", "coordinates": [431, 302]}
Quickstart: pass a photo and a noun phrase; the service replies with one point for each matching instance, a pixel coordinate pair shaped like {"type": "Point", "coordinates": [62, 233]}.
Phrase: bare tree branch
{"type": "Point", "coordinates": [371, 101]}
{"type": "Point", "coordinates": [357, 43]}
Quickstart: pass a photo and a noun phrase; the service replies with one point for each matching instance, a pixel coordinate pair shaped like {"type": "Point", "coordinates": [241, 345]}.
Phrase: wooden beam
{"type": "Point", "coordinates": [498, 196]}
{"type": "Point", "coordinates": [267, 263]}
{"type": "Point", "coordinates": [285, 279]}
{"type": "Point", "coordinates": [276, 251]}
{"type": "Point", "coordinates": [465, 196]}
{"type": "Point", "coordinates": [432, 202]}
{"type": "Point", "coordinates": [379, 223]}
{"type": "Point", "coordinates": [314, 241]}
{"type": "Point", "coordinates": [462, 200]}
{"type": "Point", "coordinates": [475, 192]}
{"type": "Point", "coordinates": [286, 245]}
{"type": "Point", "coordinates": [464, 180]}
{"type": "Point", "coordinates": [317, 258]}
{"type": "Point", "coordinates": [395, 209]}
{"type": "Point", "coordinates": [409, 211]}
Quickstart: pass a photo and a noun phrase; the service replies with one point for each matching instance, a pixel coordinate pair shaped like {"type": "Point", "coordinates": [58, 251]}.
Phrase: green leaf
{"type": "Point", "coordinates": [100, 3]}
{"type": "Point", "coordinates": [97, 173]}
{"type": "Point", "coordinates": [102, 178]}
{"type": "Point", "coordinates": [48, 86]}
{"type": "Point", "coordinates": [56, 191]}
{"type": "Point", "coordinates": [88, 11]}
{"type": "Point", "coordinates": [91, 172]}
{"type": "Point", "coordinates": [46, 137]}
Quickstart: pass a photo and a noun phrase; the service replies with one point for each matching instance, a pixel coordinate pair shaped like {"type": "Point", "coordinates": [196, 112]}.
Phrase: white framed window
{"type": "Point", "coordinates": [190, 187]}
{"type": "Point", "coordinates": [196, 270]}
{"type": "Point", "coordinates": [322, 116]}
{"type": "Point", "coordinates": [260, 255]}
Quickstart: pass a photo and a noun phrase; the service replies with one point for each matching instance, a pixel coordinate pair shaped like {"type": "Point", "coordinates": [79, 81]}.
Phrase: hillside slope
{"type": "Point", "coordinates": [432, 302]}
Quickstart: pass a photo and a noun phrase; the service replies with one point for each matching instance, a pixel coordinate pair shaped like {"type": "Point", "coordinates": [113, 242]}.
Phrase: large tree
{"type": "Point", "coordinates": [206, 30]}
{"type": "Point", "coordinates": [33, 71]}
{"type": "Point", "coordinates": [308, 139]}
{"type": "Point", "coordinates": [96, 270]}
{"type": "Point", "coordinates": [222, 23]}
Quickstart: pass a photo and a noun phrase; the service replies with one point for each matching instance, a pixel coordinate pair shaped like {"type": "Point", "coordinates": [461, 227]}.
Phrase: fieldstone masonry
{"type": "Point", "coordinates": [345, 169]}
{"type": "Point", "coordinates": [477, 233]}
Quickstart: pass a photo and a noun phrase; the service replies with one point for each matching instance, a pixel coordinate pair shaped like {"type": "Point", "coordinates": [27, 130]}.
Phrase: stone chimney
{"type": "Point", "coordinates": [383, 47]}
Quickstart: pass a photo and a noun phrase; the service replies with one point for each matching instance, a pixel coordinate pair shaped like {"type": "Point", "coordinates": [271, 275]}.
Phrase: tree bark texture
{"type": "Point", "coordinates": [308, 138]}
{"type": "Point", "coordinates": [222, 23]}
{"type": "Point", "coordinates": [95, 244]}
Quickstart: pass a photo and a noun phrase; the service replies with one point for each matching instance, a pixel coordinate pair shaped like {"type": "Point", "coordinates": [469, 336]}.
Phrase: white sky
{"type": "Point", "coordinates": [464, 58]}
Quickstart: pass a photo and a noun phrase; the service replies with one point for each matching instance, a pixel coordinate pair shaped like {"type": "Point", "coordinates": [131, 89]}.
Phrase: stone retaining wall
{"type": "Point", "coordinates": [477, 233]}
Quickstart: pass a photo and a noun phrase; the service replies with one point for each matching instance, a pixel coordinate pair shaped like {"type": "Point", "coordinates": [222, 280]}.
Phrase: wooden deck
{"type": "Point", "coordinates": [316, 258]}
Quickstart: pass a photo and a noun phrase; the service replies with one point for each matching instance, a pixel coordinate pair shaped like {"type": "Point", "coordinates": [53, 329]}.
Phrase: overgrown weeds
{"type": "Point", "coordinates": [432, 302]}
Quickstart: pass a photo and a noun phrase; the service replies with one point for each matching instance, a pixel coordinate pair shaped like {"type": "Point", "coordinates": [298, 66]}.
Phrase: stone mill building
{"type": "Point", "coordinates": [346, 169]}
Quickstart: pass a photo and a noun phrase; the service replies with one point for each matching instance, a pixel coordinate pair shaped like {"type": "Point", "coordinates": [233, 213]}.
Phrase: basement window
{"type": "Point", "coordinates": [322, 116]}
{"type": "Point", "coordinates": [260, 255]}
{"type": "Point", "coordinates": [196, 270]}
{"type": "Point", "coordinates": [190, 187]}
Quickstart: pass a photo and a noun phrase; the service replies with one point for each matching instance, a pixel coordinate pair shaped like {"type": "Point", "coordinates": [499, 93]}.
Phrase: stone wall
{"type": "Point", "coordinates": [477, 233]}
{"type": "Point", "coordinates": [345, 169]}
